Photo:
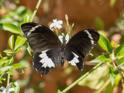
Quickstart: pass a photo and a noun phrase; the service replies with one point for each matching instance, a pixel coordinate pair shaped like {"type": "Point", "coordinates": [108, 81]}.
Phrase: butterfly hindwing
{"type": "Point", "coordinates": [45, 45]}
{"type": "Point", "coordinates": [47, 59]}
{"type": "Point", "coordinates": [79, 45]}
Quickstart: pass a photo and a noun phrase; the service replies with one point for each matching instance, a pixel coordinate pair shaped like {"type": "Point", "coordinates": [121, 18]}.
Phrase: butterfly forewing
{"type": "Point", "coordinates": [79, 45]}
{"type": "Point", "coordinates": [43, 42]}
{"type": "Point", "coordinates": [40, 37]}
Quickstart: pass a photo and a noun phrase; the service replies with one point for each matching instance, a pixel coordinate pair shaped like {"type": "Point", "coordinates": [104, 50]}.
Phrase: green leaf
{"type": "Point", "coordinates": [120, 51]}
{"type": "Point", "coordinates": [11, 42]}
{"type": "Point", "coordinates": [8, 52]}
{"type": "Point", "coordinates": [113, 72]}
{"type": "Point", "coordinates": [101, 58]}
{"type": "Point", "coordinates": [99, 23]}
{"type": "Point", "coordinates": [105, 44]}
{"type": "Point", "coordinates": [29, 49]}
{"type": "Point", "coordinates": [11, 60]}
{"type": "Point", "coordinates": [3, 61]}
{"type": "Point", "coordinates": [112, 78]}
{"type": "Point", "coordinates": [19, 42]}
{"type": "Point", "coordinates": [109, 89]}
{"type": "Point", "coordinates": [3, 69]}
{"type": "Point", "coordinates": [21, 64]}
{"type": "Point", "coordinates": [26, 19]}
{"type": "Point", "coordinates": [21, 10]}
{"type": "Point", "coordinates": [117, 79]}
{"type": "Point", "coordinates": [121, 61]}
{"type": "Point", "coordinates": [10, 27]}
{"type": "Point", "coordinates": [98, 79]}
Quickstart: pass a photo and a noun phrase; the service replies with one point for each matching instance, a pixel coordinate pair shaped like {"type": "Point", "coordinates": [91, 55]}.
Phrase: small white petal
{"type": "Point", "coordinates": [67, 38]}
{"type": "Point", "coordinates": [54, 20]}
{"type": "Point", "coordinates": [60, 38]}
{"type": "Point", "coordinates": [56, 24]}
{"type": "Point", "coordinates": [60, 22]}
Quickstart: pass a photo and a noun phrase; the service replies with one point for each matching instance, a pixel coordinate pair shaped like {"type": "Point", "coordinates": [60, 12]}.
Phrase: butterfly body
{"type": "Point", "coordinates": [49, 52]}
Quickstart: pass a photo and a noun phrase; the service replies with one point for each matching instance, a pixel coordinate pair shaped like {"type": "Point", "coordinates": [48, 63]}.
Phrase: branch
{"type": "Point", "coordinates": [36, 9]}
{"type": "Point", "coordinates": [81, 78]}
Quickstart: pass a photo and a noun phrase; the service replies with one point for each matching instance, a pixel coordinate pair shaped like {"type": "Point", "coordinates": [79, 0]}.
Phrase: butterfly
{"type": "Point", "coordinates": [49, 52]}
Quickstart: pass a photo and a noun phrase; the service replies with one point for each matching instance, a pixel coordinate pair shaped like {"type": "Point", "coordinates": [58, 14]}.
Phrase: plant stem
{"type": "Point", "coordinates": [8, 80]}
{"type": "Point", "coordinates": [82, 77]}
{"type": "Point", "coordinates": [114, 63]}
{"type": "Point", "coordinates": [35, 11]}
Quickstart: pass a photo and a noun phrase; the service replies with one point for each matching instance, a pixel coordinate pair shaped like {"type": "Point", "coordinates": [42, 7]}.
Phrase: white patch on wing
{"type": "Point", "coordinates": [45, 60]}
{"type": "Point", "coordinates": [90, 36]}
{"type": "Point", "coordinates": [75, 60]}
{"type": "Point", "coordinates": [33, 29]}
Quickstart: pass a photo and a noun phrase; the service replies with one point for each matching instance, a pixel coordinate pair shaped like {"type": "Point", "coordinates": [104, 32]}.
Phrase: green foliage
{"type": "Point", "coordinates": [101, 58]}
{"type": "Point", "coordinates": [11, 42]}
{"type": "Point", "coordinates": [112, 60]}
{"type": "Point", "coordinates": [16, 16]}
{"type": "Point", "coordinates": [20, 41]}
{"type": "Point", "coordinates": [120, 51]}
{"type": "Point", "coordinates": [105, 44]}
{"type": "Point", "coordinates": [113, 56]}
{"type": "Point", "coordinates": [16, 43]}
{"type": "Point", "coordinates": [1, 2]}
{"type": "Point", "coordinates": [96, 82]}
{"type": "Point", "coordinates": [10, 27]}
{"type": "Point", "coordinates": [120, 61]}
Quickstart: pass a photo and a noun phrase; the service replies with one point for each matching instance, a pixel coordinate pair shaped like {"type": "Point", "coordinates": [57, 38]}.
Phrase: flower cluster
{"type": "Point", "coordinates": [57, 25]}
{"type": "Point", "coordinates": [9, 89]}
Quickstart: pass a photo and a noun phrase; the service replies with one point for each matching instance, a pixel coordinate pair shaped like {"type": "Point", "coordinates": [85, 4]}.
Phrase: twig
{"type": "Point", "coordinates": [81, 78]}
{"type": "Point", "coordinates": [114, 63]}
{"type": "Point", "coordinates": [36, 9]}
{"type": "Point", "coordinates": [8, 80]}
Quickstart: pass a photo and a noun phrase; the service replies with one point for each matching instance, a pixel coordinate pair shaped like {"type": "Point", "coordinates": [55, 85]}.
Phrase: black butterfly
{"type": "Point", "coordinates": [49, 52]}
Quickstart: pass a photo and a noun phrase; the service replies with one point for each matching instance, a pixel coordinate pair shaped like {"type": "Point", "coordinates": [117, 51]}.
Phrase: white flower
{"type": "Point", "coordinates": [9, 89]}
{"type": "Point", "coordinates": [6, 90]}
{"type": "Point", "coordinates": [56, 24]}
